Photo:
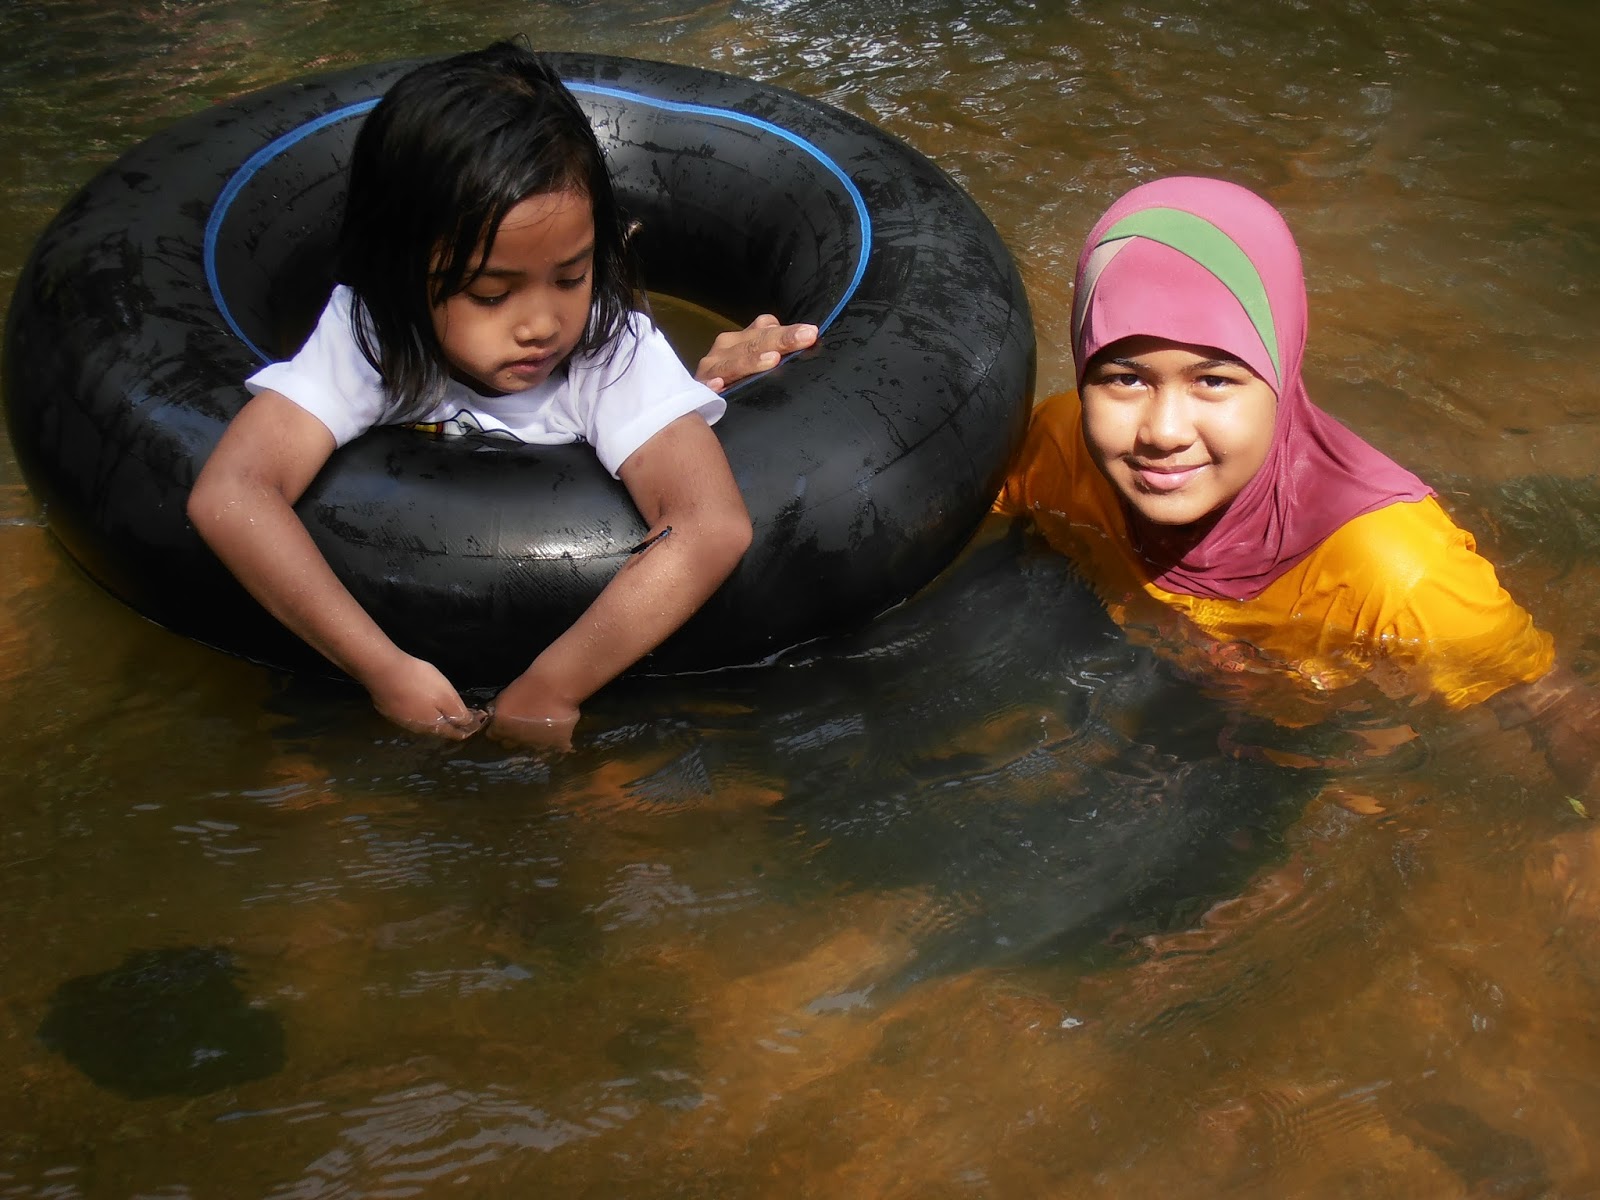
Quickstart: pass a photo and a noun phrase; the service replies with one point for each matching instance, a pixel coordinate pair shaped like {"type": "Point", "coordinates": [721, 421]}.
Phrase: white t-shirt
{"type": "Point", "coordinates": [616, 400]}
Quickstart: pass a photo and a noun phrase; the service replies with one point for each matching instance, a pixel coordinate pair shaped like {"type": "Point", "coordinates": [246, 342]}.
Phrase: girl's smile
{"type": "Point", "coordinates": [1178, 430]}
{"type": "Point", "coordinates": [526, 306]}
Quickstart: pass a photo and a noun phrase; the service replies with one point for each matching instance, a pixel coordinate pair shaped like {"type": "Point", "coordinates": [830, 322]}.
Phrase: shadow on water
{"type": "Point", "coordinates": [999, 747]}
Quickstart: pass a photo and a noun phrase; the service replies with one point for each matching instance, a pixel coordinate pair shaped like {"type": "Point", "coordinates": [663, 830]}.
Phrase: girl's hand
{"type": "Point", "coordinates": [526, 714]}
{"type": "Point", "coordinates": [758, 347]}
{"type": "Point", "coordinates": [416, 696]}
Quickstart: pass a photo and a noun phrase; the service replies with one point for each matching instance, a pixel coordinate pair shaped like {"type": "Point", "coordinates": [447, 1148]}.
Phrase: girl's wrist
{"type": "Point", "coordinates": [534, 711]}
{"type": "Point", "coordinates": [544, 685]}
{"type": "Point", "coordinates": [377, 667]}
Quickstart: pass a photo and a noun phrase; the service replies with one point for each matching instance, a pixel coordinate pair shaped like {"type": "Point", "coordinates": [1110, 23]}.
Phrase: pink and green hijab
{"type": "Point", "coordinates": [1209, 263]}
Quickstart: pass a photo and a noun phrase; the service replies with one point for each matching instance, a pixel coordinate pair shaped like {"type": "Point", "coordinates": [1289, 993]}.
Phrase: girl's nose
{"type": "Point", "coordinates": [1167, 424]}
{"type": "Point", "coordinates": [536, 323]}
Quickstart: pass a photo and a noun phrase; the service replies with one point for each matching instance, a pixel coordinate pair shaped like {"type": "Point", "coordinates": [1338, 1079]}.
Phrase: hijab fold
{"type": "Point", "coordinates": [1208, 263]}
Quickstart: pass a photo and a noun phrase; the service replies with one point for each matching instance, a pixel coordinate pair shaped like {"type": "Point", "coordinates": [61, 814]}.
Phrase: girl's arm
{"type": "Point", "coordinates": [243, 506]}
{"type": "Point", "coordinates": [679, 479]}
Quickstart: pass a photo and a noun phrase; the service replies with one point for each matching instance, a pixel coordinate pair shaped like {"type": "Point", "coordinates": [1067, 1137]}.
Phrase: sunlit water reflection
{"type": "Point", "coordinates": [969, 904]}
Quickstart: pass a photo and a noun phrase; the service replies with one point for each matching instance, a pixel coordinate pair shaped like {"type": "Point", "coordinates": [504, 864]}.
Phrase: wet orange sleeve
{"type": "Point", "coordinates": [1427, 599]}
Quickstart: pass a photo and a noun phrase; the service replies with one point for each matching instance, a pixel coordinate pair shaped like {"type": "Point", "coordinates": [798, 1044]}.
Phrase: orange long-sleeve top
{"type": "Point", "coordinates": [1398, 597]}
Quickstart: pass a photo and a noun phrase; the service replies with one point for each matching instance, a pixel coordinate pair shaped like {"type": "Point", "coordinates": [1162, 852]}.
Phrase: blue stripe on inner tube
{"type": "Point", "coordinates": [793, 139]}
{"type": "Point", "coordinates": [278, 145]}
{"type": "Point", "coordinates": [241, 177]}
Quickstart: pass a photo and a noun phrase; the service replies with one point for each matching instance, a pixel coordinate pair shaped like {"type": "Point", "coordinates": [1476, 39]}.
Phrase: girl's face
{"type": "Point", "coordinates": [528, 304]}
{"type": "Point", "coordinates": [1177, 429]}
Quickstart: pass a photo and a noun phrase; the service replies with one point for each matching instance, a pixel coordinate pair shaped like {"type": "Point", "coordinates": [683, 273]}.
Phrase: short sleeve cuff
{"type": "Point", "coordinates": [616, 446]}
{"type": "Point", "coordinates": [311, 394]}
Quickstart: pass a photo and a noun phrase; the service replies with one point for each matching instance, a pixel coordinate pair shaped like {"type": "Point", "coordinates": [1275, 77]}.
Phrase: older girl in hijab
{"type": "Point", "coordinates": [1221, 515]}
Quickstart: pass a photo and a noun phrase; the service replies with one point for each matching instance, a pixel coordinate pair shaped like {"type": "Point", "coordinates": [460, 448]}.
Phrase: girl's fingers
{"type": "Point", "coordinates": [798, 337]}
{"type": "Point", "coordinates": [469, 722]}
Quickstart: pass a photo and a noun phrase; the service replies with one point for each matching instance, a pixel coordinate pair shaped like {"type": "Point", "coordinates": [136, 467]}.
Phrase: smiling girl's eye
{"type": "Point", "coordinates": [1112, 376]}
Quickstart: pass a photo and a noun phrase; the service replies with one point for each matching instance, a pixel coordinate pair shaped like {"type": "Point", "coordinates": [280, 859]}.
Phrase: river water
{"type": "Point", "coordinates": [972, 903]}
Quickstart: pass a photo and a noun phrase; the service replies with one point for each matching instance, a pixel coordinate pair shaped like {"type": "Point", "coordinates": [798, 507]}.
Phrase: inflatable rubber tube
{"type": "Point", "coordinates": [866, 462]}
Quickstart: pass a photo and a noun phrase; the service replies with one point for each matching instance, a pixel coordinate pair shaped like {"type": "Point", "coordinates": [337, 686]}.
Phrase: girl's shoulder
{"type": "Point", "coordinates": [329, 377]}
{"type": "Point", "coordinates": [1404, 586]}
{"type": "Point", "coordinates": [1400, 545]}
{"type": "Point", "coordinates": [333, 323]}
{"type": "Point", "coordinates": [627, 391]}
{"type": "Point", "coordinates": [1415, 576]}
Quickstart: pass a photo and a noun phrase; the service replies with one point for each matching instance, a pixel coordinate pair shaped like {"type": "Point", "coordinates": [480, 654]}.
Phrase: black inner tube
{"type": "Point", "coordinates": [866, 463]}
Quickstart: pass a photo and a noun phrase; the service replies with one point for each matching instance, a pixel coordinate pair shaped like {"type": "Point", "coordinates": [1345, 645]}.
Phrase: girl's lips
{"type": "Point", "coordinates": [527, 367]}
{"type": "Point", "coordinates": [1165, 479]}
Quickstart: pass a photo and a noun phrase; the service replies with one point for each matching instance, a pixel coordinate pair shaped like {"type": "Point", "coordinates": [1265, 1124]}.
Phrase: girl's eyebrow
{"type": "Point", "coordinates": [586, 252]}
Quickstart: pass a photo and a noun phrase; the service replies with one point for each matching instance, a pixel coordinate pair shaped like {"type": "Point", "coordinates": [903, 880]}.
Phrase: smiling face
{"type": "Point", "coordinates": [524, 310]}
{"type": "Point", "coordinates": [1178, 430]}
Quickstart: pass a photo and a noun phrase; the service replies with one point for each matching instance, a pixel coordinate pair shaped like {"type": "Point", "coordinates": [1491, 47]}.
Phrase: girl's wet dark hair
{"type": "Point", "coordinates": [446, 154]}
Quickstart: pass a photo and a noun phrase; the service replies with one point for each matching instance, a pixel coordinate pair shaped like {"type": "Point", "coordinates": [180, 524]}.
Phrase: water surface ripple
{"type": "Point", "coordinates": [981, 901]}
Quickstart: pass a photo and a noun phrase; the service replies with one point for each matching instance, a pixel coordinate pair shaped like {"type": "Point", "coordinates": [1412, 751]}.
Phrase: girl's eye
{"type": "Point", "coordinates": [569, 285]}
{"type": "Point", "coordinates": [1217, 382]}
{"type": "Point", "coordinates": [486, 301]}
{"type": "Point", "coordinates": [1125, 379]}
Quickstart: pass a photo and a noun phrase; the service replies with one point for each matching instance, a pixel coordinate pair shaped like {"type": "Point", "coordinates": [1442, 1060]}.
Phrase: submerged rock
{"type": "Point", "coordinates": [168, 1022]}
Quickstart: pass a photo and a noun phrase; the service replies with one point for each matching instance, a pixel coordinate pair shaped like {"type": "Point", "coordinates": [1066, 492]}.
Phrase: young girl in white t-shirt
{"type": "Point", "coordinates": [485, 285]}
